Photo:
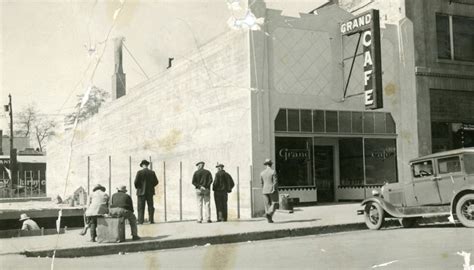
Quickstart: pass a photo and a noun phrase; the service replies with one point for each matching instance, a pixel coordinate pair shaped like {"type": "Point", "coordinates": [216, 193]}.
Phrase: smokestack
{"type": "Point", "coordinates": [118, 79]}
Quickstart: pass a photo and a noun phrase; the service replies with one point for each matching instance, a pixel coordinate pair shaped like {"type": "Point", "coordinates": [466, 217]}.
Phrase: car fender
{"type": "Point", "coordinates": [465, 190]}
{"type": "Point", "coordinates": [387, 207]}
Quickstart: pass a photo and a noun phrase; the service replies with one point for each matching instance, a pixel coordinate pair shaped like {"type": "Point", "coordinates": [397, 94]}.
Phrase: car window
{"type": "Point", "coordinates": [449, 165]}
{"type": "Point", "coordinates": [422, 169]}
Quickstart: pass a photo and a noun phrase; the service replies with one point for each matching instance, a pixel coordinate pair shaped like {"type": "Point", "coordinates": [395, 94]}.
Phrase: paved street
{"type": "Point", "coordinates": [431, 247]}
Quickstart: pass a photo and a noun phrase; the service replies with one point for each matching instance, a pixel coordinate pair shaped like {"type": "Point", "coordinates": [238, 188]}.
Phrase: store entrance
{"type": "Point", "coordinates": [324, 172]}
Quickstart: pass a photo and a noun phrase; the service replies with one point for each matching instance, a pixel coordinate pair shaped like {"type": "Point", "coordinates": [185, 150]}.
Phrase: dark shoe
{"type": "Point", "coordinates": [136, 237]}
{"type": "Point", "coordinates": [152, 222]}
{"type": "Point", "coordinates": [269, 218]}
{"type": "Point", "coordinates": [92, 240]}
{"type": "Point", "coordinates": [199, 221]}
{"type": "Point", "coordinates": [209, 221]}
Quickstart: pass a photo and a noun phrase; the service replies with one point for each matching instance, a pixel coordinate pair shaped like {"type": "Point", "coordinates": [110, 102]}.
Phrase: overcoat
{"type": "Point", "coordinates": [98, 204]}
{"type": "Point", "coordinates": [145, 182]}
{"type": "Point", "coordinates": [269, 181]}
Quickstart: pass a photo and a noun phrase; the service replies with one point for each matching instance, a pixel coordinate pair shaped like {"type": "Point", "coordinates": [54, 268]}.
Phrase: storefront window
{"type": "Point", "coordinates": [379, 122]}
{"type": "Point", "coordinates": [368, 122]}
{"type": "Point", "coordinates": [318, 121]}
{"type": "Point", "coordinates": [294, 161]}
{"type": "Point", "coordinates": [351, 162]}
{"type": "Point", "coordinates": [306, 121]}
{"type": "Point", "coordinates": [293, 120]}
{"type": "Point", "coordinates": [280, 121]}
{"type": "Point", "coordinates": [344, 122]}
{"type": "Point", "coordinates": [380, 161]}
{"type": "Point", "coordinates": [331, 121]}
{"type": "Point", "coordinates": [356, 122]}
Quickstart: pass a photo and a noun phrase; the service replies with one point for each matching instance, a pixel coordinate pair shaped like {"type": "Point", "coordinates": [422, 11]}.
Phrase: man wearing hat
{"type": "Point", "coordinates": [269, 189]}
{"type": "Point", "coordinates": [202, 180]}
{"type": "Point", "coordinates": [98, 206]}
{"type": "Point", "coordinates": [145, 183]}
{"type": "Point", "coordinates": [28, 223]}
{"type": "Point", "coordinates": [121, 206]}
{"type": "Point", "coordinates": [222, 185]}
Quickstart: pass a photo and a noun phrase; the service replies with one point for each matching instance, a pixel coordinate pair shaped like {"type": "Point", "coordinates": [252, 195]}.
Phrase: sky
{"type": "Point", "coordinates": [49, 49]}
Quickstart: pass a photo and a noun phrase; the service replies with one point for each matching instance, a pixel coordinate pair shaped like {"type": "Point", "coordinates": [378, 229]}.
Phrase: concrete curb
{"type": "Point", "coordinates": [157, 244]}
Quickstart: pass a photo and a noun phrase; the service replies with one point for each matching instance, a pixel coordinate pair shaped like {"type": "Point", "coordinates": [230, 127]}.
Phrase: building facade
{"type": "Point", "coordinates": [293, 92]}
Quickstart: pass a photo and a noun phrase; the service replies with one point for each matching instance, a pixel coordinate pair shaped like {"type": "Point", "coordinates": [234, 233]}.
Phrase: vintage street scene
{"type": "Point", "coordinates": [237, 134]}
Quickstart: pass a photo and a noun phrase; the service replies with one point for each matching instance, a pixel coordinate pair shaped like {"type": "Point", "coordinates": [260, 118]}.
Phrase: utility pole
{"type": "Point", "coordinates": [12, 150]}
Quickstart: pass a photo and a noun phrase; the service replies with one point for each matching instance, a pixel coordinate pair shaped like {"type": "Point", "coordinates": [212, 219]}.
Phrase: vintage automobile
{"type": "Point", "coordinates": [441, 184]}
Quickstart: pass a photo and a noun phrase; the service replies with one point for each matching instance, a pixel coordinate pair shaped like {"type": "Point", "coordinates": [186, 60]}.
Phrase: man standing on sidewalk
{"type": "Point", "coordinates": [202, 180]}
{"type": "Point", "coordinates": [269, 189]}
{"type": "Point", "coordinates": [121, 206]}
{"type": "Point", "coordinates": [222, 185]}
{"type": "Point", "coordinates": [145, 183]}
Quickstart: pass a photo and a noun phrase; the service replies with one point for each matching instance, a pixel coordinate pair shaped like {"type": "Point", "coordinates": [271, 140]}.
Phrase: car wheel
{"type": "Point", "coordinates": [465, 210]}
{"type": "Point", "coordinates": [408, 222]}
{"type": "Point", "coordinates": [374, 215]}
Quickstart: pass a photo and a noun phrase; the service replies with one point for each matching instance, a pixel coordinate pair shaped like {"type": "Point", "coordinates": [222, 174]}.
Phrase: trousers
{"type": "Point", "coordinates": [127, 214]}
{"type": "Point", "coordinates": [220, 198]}
{"type": "Point", "coordinates": [203, 198]}
{"type": "Point", "coordinates": [141, 200]}
{"type": "Point", "coordinates": [270, 204]}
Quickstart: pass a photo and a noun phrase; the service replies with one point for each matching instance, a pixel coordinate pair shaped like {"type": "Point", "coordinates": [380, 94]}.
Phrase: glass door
{"type": "Point", "coordinates": [324, 172]}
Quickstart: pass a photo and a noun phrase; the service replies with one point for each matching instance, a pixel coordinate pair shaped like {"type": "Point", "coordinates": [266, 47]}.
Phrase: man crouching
{"type": "Point", "coordinates": [121, 206]}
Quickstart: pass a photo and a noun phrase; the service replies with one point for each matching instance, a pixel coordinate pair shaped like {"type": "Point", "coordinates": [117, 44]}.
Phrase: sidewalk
{"type": "Point", "coordinates": [304, 221]}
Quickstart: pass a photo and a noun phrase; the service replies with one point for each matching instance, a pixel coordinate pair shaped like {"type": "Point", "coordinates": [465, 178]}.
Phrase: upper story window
{"type": "Point", "coordinates": [455, 37]}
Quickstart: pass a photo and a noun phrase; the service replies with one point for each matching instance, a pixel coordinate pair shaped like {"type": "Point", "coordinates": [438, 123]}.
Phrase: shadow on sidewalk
{"type": "Point", "coordinates": [296, 221]}
{"type": "Point", "coordinates": [146, 238]}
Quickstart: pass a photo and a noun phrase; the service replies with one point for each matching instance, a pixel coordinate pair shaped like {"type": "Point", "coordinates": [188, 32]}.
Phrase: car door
{"type": "Point", "coordinates": [450, 177]}
{"type": "Point", "coordinates": [425, 183]}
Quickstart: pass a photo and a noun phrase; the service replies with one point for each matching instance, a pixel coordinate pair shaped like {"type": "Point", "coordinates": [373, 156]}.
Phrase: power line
{"type": "Point", "coordinates": [138, 64]}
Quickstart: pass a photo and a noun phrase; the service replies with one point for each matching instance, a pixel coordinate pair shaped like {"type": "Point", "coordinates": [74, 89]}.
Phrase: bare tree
{"type": "Point", "coordinates": [31, 123]}
{"type": "Point", "coordinates": [43, 129]}
{"type": "Point", "coordinates": [25, 119]}
{"type": "Point", "coordinates": [96, 98]}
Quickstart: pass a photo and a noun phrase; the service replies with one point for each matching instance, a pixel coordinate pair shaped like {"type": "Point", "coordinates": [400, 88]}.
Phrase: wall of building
{"type": "Point", "coordinates": [197, 110]}
{"type": "Point", "coordinates": [20, 143]}
{"type": "Point", "coordinates": [302, 63]}
{"type": "Point", "coordinates": [431, 72]}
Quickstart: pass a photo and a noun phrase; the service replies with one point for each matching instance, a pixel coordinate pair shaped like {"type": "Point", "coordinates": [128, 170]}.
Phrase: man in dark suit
{"type": "Point", "coordinates": [269, 189]}
{"type": "Point", "coordinates": [145, 183]}
{"type": "Point", "coordinates": [121, 206]}
{"type": "Point", "coordinates": [222, 185]}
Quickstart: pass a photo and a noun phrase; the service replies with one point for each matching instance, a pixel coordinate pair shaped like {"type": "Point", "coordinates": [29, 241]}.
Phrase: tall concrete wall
{"type": "Point", "coordinates": [197, 110]}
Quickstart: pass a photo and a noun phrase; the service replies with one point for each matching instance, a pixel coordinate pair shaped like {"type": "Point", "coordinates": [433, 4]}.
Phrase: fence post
{"type": "Point", "coordinates": [110, 175]}
{"type": "Point", "coordinates": [130, 174]}
{"type": "Point", "coordinates": [151, 163]}
{"type": "Point", "coordinates": [238, 193]}
{"type": "Point", "coordinates": [164, 188]}
{"type": "Point", "coordinates": [180, 190]}
{"type": "Point", "coordinates": [88, 175]}
{"type": "Point", "coordinates": [251, 191]}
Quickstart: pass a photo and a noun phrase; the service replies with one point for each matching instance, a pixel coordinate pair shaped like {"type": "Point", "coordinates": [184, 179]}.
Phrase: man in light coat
{"type": "Point", "coordinates": [28, 223]}
{"type": "Point", "coordinates": [145, 183]}
{"type": "Point", "coordinates": [269, 189]}
{"type": "Point", "coordinates": [98, 206]}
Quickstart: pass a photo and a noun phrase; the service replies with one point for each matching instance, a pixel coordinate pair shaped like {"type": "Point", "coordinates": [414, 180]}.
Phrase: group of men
{"type": "Point", "coordinates": [145, 182]}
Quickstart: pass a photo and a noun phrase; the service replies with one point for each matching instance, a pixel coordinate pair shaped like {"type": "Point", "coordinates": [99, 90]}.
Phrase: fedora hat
{"type": "Point", "coordinates": [98, 186]}
{"type": "Point", "coordinates": [200, 162]}
{"type": "Point", "coordinates": [144, 162]}
{"type": "Point", "coordinates": [122, 189]}
{"type": "Point", "coordinates": [24, 217]}
{"type": "Point", "coordinates": [219, 165]}
{"type": "Point", "coordinates": [268, 162]}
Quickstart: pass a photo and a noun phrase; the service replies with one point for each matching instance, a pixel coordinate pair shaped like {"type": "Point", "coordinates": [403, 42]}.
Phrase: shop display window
{"type": "Point", "coordinates": [380, 161]}
{"type": "Point", "coordinates": [294, 161]}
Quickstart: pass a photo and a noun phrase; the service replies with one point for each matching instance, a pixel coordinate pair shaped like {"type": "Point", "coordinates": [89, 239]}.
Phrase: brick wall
{"type": "Point", "coordinates": [197, 110]}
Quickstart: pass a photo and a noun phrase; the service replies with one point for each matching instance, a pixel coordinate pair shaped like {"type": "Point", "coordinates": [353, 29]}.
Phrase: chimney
{"type": "Point", "coordinates": [118, 79]}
